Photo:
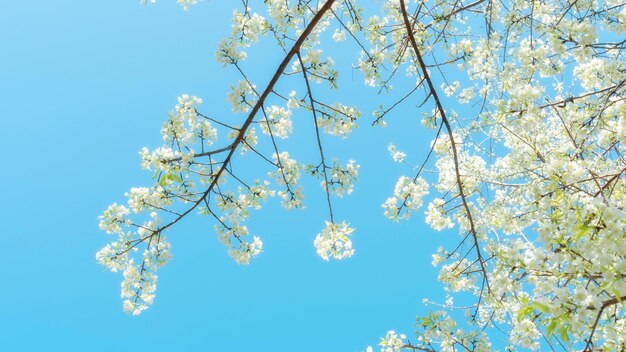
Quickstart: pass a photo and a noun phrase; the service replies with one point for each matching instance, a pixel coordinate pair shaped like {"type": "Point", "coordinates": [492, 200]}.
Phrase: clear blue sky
{"type": "Point", "coordinates": [83, 86]}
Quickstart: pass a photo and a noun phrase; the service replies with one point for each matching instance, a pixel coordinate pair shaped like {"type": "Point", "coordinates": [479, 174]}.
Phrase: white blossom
{"type": "Point", "coordinates": [397, 155]}
{"type": "Point", "coordinates": [334, 241]}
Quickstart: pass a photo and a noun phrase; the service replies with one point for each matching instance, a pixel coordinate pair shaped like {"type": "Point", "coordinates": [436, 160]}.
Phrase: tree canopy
{"type": "Point", "coordinates": [525, 101]}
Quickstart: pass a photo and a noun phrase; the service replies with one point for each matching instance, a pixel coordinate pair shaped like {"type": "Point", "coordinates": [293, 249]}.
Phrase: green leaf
{"type": "Point", "coordinates": [522, 313]}
{"type": "Point", "coordinates": [581, 230]}
{"type": "Point", "coordinates": [551, 327]}
{"type": "Point", "coordinates": [168, 178]}
{"type": "Point", "coordinates": [617, 294]}
{"type": "Point", "coordinates": [176, 178]}
{"type": "Point", "coordinates": [564, 333]}
{"type": "Point", "coordinates": [541, 307]}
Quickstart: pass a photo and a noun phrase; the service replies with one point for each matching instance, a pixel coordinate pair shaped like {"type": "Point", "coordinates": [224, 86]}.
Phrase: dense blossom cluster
{"type": "Point", "coordinates": [392, 342]}
{"type": "Point", "coordinates": [539, 208]}
{"type": "Point", "coordinates": [192, 173]}
{"type": "Point", "coordinates": [334, 241]}
{"type": "Point", "coordinates": [527, 161]}
{"type": "Point", "coordinates": [407, 197]}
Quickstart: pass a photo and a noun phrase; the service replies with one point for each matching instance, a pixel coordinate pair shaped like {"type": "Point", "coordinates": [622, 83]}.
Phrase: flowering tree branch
{"type": "Point", "coordinates": [528, 159]}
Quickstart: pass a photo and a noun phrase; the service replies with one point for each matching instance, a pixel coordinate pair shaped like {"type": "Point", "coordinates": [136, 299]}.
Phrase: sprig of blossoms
{"type": "Point", "coordinates": [288, 174]}
{"type": "Point", "coordinates": [190, 177]}
{"type": "Point", "coordinates": [407, 196]}
{"type": "Point", "coordinates": [338, 120]}
{"type": "Point", "coordinates": [334, 241]}
{"type": "Point", "coordinates": [396, 155]}
{"type": "Point", "coordinates": [246, 251]}
{"type": "Point", "coordinates": [277, 122]}
{"type": "Point", "coordinates": [242, 96]}
{"type": "Point", "coordinates": [184, 125]}
{"type": "Point", "coordinates": [340, 179]}
{"type": "Point", "coordinates": [436, 216]}
{"type": "Point", "coordinates": [392, 342]}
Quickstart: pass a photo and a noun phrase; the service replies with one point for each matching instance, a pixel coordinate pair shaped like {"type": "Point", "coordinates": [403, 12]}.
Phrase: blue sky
{"type": "Point", "coordinates": [85, 85]}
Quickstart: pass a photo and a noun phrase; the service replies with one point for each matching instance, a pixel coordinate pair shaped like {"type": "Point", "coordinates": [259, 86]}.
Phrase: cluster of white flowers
{"type": "Point", "coordinates": [334, 241]}
{"type": "Point", "coordinates": [142, 198]}
{"type": "Point", "coordinates": [397, 155]}
{"type": "Point", "coordinates": [392, 342]}
{"type": "Point", "coordinates": [292, 102]}
{"type": "Point", "coordinates": [249, 140]}
{"type": "Point", "coordinates": [338, 120]}
{"type": "Point", "coordinates": [285, 17]}
{"type": "Point", "coordinates": [228, 53]}
{"type": "Point", "coordinates": [407, 196]}
{"type": "Point", "coordinates": [113, 217]}
{"type": "Point", "coordinates": [592, 74]}
{"type": "Point", "coordinates": [242, 96]}
{"type": "Point", "coordinates": [183, 124]}
{"type": "Point", "coordinates": [154, 160]}
{"type": "Point", "coordinates": [436, 216]}
{"type": "Point", "coordinates": [319, 69]}
{"type": "Point", "coordinates": [183, 127]}
{"type": "Point", "coordinates": [231, 229]}
{"type": "Point", "coordinates": [190, 176]}
{"type": "Point", "coordinates": [277, 122]}
{"type": "Point", "coordinates": [526, 334]}
{"type": "Point", "coordinates": [442, 144]}
{"type": "Point", "coordinates": [341, 178]}
{"type": "Point", "coordinates": [339, 35]}
{"type": "Point", "coordinates": [543, 179]}
{"type": "Point", "coordinates": [370, 64]}
{"type": "Point", "coordinates": [454, 276]}
{"type": "Point", "coordinates": [139, 283]}
{"type": "Point", "coordinates": [450, 89]}
{"type": "Point", "coordinates": [287, 174]}
{"type": "Point", "coordinates": [246, 251]}
{"type": "Point", "coordinates": [247, 27]}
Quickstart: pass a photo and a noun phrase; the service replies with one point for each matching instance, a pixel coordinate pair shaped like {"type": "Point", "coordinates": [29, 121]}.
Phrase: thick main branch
{"type": "Point", "coordinates": [446, 122]}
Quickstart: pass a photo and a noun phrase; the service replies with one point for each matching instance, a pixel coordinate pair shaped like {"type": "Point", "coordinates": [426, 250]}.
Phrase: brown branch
{"type": "Point", "coordinates": [605, 304]}
{"type": "Point", "coordinates": [317, 135]}
{"type": "Point", "coordinates": [268, 89]}
{"type": "Point", "coordinates": [210, 152]}
{"type": "Point", "coordinates": [446, 122]}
